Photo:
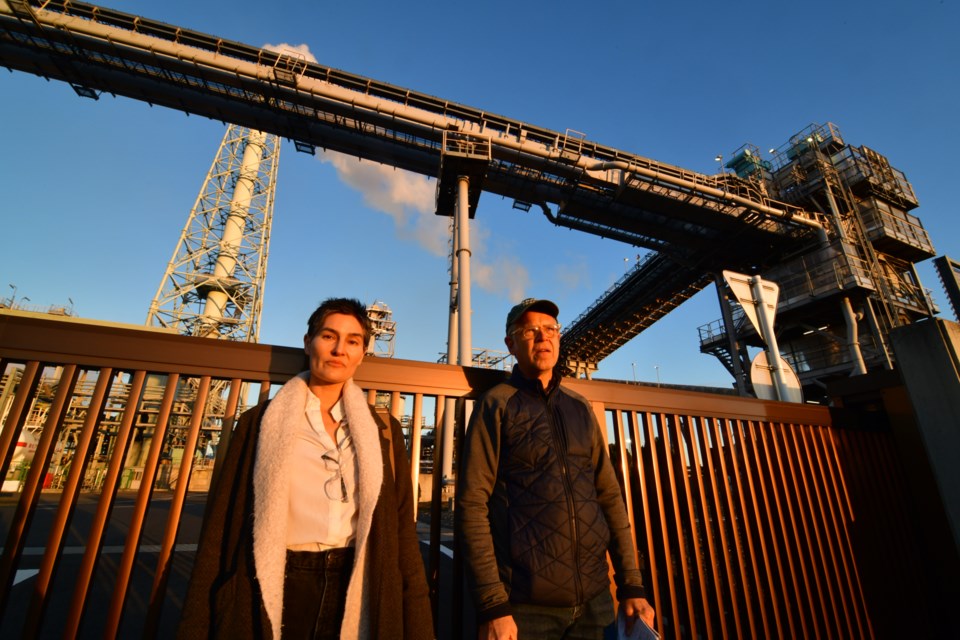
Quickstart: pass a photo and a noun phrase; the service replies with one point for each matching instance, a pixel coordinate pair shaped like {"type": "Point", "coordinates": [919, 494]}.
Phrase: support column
{"type": "Point", "coordinates": [453, 328]}
{"type": "Point", "coordinates": [464, 162]}
{"type": "Point", "coordinates": [835, 211]}
{"type": "Point", "coordinates": [770, 337]}
{"type": "Point", "coordinates": [875, 328]}
{"type": "Point", "coordinates": [453, 324]}
{"type": "Point", "coordinates": [463, 262]}
{"type": "Point", "coordinates": [853, 337]}
{"type": "Point", "coordinates": [731, 332]}
{"type": "Point", "coordinates": [462, 246]}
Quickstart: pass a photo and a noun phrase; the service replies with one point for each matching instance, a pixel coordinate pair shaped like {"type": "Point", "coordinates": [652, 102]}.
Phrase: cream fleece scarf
{"type": "Point", "coordinates": [271, 491]}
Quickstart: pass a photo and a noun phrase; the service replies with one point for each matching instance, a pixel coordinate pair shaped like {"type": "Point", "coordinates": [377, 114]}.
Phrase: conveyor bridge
{"type": "Point", "coordinates": [694, 224]}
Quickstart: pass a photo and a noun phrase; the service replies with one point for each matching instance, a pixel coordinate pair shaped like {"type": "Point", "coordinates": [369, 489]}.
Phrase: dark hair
{"type": "Point", "coordinates": [346, 306]}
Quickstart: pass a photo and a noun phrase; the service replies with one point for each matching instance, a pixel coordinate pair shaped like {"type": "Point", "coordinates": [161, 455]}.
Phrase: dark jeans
{"type": "Point", "coordinates": [315, 592]}
{"type": "Point", "coordinates": [586, 622]}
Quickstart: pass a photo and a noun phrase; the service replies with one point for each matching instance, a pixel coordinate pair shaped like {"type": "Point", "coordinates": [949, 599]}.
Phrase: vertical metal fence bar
{"type": "Point", "coordinates": [896, 491]}
{"type": "Point", "coordinates": [778, 479]}
{"type": "Point", "coordinates": [30, 492]}
{"type": "Point", "coordinates": [861, 592]}
{"type": "Point", "coordinates": [619, 435]}
{"type": "Point", "coordinates": [104, 507]}
{"type": "Point", "coordinates": [226, 430]}
{"type": "Point", "coordinates": [708, 516]}
{"type": "Point", "coordinates": [436, 513]}
{"type": "Point", "coordinates": [766, 594]}
{"type": "Point", "coordinates": [264, 394]}
{"type": "Point", "coordinates": [880, 527]}
{"type": "Point", "coordinates": [845, 515]}
{"type": "Point", "coordinates": [752, 588]}
{"type": "Point", "coordinates": [888, 474]}
{"type": "Point", "coordinates": [829, 608]}
{"type": "Point", "coordinates": [830, 534]}
{"type": "Point", "coordinates": [841, 567]}
{"type": "Point", "coordinates": [395, 405]}
{"type": "Point", "coordinates": [415, 427]}
{"type": "Point", "coordinates": [725, 575]}
{"type": "Point", "coordinates": [644, 488]}
{"type": "Point", "coordinates": [125, 567]}
{"type": "Point", "coordinates": [782, 490]}
{"type": "Point", "coordinates": [176, 507]}
{"type": "Point", "coordinates": [837, 524]}
{"type": "Point", "coordinates": [862, 481]}
{"type": "Point", "coordinates": [766, 523]}
{"type": "Point", "coordinates": [809, 565]}
{"type": "Point", "coordinates": [832, 446]}
{"type": "Point", "coordinates": [726, 460]}
{"type": "Point", "coordinates": [68, 500]}
{"type": "Point", "coordinates": [17, 415]}
{"type": "Point", "coordinates": [659, 492]}
{"type": "Point", "coordinates": [675, 468]}
{"type": "Point", "coordinates": [874, 454]}
{"type": "Point", "coordinates": [685, 446]}
{"type": "Point", "coordinates": [670, 488]}
{"type": "Point", "coordinates": [456, 621]}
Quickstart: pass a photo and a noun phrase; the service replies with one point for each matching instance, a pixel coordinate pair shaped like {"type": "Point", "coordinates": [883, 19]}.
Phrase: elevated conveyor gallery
{"type": "Point", "coordinates": [682, 215]}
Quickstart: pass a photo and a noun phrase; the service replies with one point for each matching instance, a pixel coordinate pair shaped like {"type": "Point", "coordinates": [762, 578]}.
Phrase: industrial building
{"type": "Point", "coordinates": [841, 295]}
{"type": "Point", "coordinates": [825, 221]}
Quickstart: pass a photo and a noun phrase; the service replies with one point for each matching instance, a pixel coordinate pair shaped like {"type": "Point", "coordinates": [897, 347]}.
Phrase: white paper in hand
{"type": "Point", "coordinates": [640, 629]}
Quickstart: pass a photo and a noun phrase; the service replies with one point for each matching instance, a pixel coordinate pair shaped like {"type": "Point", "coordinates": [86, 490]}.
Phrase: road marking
{"type": "Point", "coordinates": [444, 550]}
{"type": "Point", "coordinates": [117, 548]}
{"type": "Point", "coordinates": [24, 574]}
{"type": "Point", "coordinates": [145, 548]}
{"type": "Point", "coordinates": [151, 548]}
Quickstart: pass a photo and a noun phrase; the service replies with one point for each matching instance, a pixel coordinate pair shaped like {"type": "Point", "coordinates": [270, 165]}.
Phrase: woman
{"type": "Point", "coordinates": [310, 532]}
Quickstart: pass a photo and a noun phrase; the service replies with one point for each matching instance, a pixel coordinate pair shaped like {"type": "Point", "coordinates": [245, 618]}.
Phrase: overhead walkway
{"type": "Point", "coordinates": [648, 292]}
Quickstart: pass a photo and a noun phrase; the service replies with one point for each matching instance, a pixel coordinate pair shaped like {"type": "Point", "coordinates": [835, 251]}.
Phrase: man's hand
{"type": "Point", "coordinates": [504, 628]}
{"type": "Point", "coordinates": [634, 608]}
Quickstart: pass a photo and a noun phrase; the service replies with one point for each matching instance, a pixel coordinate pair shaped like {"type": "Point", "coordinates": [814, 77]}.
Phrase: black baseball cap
{"type": "Point", "coordinates": [531, 304]}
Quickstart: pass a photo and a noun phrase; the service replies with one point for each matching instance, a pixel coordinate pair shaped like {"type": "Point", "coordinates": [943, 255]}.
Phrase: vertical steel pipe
{"type": "Point", "coordinates": [463, 263]}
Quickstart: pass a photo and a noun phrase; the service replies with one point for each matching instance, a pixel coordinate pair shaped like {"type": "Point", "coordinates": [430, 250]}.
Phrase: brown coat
{"type": "Point", "coordinates": [226, 594]}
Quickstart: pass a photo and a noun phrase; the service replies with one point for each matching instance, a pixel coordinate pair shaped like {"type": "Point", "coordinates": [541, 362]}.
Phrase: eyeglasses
{"type": "Point", "coordinates": [332, 463]}
{"type": "Point", "coordinates": [548, 331]}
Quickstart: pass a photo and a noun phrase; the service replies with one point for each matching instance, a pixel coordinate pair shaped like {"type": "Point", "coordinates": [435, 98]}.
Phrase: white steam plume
{"type": "Point", "coordinates": [292, 50]}
{"type": "Point", "coordinates": [409, 199]}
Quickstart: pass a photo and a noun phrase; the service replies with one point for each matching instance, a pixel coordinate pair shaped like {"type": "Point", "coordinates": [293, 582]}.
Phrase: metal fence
{"type": "Point", "coordinates": [749, 515]}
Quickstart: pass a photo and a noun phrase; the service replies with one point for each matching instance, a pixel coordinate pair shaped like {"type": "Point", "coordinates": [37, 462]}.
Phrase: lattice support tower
{"type": "Point", "coordinates": [213, 285]}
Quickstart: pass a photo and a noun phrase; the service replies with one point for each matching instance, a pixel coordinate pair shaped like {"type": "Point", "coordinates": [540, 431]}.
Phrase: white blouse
{"type": "Point", "coordinates": [323, 491]}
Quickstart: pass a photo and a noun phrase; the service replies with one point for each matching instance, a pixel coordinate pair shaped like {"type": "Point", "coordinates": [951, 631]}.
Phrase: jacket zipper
{"type": "Point", "coordinates": [568, 491]}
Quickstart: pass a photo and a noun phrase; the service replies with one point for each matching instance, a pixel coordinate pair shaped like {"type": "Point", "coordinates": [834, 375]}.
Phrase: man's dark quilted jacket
{"type": "Point", "coordinates": [539, 503]}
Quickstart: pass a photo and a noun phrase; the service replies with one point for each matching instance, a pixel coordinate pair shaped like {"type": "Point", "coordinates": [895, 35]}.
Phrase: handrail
{"type": "Point", "coordinates": [708, 470]}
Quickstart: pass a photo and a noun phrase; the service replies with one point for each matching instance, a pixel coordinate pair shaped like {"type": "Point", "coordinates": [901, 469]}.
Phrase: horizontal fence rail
{"type": "Point", "coordinates": [744, 511]}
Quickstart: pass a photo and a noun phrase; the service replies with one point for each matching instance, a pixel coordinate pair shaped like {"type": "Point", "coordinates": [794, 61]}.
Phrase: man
{"type": "Point", "coordinates": [310, 532]}
{"type": "Point", "coordinates": [539, 503]}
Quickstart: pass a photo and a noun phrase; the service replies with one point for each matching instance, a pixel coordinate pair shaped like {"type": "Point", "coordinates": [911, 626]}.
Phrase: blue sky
{"type": "Point", "coordinates": [95, 193]}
